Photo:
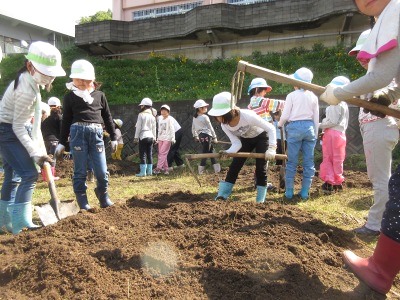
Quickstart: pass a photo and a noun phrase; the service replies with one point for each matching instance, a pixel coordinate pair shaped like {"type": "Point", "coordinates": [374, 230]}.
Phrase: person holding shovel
{"type": "Point", "coordinates": [382, 53]}
{"type": "Point", "coordinates": [85, 108]}
{"type": "Point", "coordinates": [117, 154]}
{"type": "Point", "coordinates": [203, 132]}
{"type": "Point", "coordinates": [19, 151]}
{"type": "Point", "coordinates": [247, 132]}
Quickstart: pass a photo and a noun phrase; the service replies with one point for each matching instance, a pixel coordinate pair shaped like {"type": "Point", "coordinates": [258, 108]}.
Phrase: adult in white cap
{"type": "Point", "coordinates": [247, 132]}
{"type": "Point", "coordinates": [145, 135]}
{"type": "Point", "coordinates": [85, 109]}
{"type": "Point", "coordinates": [19, 151]}
{"type": "Point", "coordinates": [165, 138]}
{"type": "Point", "coordinates": [51, 127]}
{"type": "Point", "coordinates": [381, 50]}
{"type": "Point", "coordinates": [203, 132]}
{"type": "Point", "coordinates": [301, 112]}
{"type": "Point", "coordinates": [334, 127]}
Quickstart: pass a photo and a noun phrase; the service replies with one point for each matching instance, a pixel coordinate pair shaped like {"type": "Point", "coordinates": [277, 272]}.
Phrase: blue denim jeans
{"type": "Point", "coordinates": [87, 141]}
{"type": "Point", "coordinates": [300, 137]}
{"type": "Point", "coordinates": [16, 160]}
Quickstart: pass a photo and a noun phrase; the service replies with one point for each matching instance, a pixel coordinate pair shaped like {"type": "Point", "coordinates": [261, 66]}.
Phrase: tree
{"type": "Point", "coordinates": [99, 16]}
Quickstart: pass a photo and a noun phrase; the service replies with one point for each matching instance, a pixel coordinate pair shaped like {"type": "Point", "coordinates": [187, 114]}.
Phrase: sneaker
{"type": "Point", "coordinates": [156, 171]}
{"type": "Point", "coordinates": [327, 187]}
{"type": "Point", "coordinates": [166, 172]}
{"type": "Point", "coordinates": [170, 169]}
{"type": "Point", "coordinates": [180, 166]}
{"type": "Point", "coordinates": [366, 231]}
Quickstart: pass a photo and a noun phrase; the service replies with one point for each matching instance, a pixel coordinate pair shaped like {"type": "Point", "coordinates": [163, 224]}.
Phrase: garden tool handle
{"type": "Point", "coordinates": [318, 90]}
{"type": "Point", "coordinates": [238, 154]}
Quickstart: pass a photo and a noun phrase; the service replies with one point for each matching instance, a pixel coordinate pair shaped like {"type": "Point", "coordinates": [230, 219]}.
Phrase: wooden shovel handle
{"type": "Point", "coordinates": [238, 154]}
{"type": "Point", "coordinates": [318, 90]}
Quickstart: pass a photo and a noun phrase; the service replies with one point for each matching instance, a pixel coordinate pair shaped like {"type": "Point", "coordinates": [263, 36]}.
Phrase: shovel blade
{"type": "Point", "coordinates": [48, 216]}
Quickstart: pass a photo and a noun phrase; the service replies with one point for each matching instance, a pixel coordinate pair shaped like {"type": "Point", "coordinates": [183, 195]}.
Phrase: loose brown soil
{"type": "Point", "coordinates": [178, 245]}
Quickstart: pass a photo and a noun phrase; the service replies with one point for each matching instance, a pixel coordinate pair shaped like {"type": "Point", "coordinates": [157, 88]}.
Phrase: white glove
{"type": "Point", "coordinates": [114, 145]}
{"type": "Point", "coordinates": [328, 96]}
{"type": "Point", "coordinates": [173, 142]}
{"type": "Point", "coordinates": [135, 140]}
{"type": "Point", "coordinates": [215, 140]}
{"type": "Point", "coordinates": [40, 160]}
{"type": "Point", "coordinates": [270, 153]}
{"type": "Point", "coordinates": [59, 151]}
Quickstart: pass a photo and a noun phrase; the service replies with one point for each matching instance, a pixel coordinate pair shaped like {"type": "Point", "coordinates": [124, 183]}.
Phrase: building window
{"type": "Point", "coordinates": [165, 11]}
{"type": "Point", "coordinates": [246, 2]}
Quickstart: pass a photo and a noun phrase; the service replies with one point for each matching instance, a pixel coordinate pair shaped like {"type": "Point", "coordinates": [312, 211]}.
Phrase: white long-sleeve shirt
{"type": "Point", "coordinates": [202, 124]}
{"type": "Point", "coordinates": [166, 130]}
{"type": "Point", "coordinates": [17, 108]}
{"type": "Point", "coordinates": [337, 117]}
{"type": "Point", "coordinates": [145, 125]}
{"type": "Point", "coordinates": [301, 105]}
{"type": "Point", "coordinates": [250, 125]}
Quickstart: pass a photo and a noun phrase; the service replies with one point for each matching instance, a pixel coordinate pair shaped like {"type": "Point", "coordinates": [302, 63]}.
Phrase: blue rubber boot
{"type": "Point", "coordinates": [5, 218]}
{"type": "Point", "coordinates": [304, 193]}
{"type": "Point", "coordinates": [83, 201]}
{"type": "Point", "coordinates": [289, 193]}
{"type": "Point", "coordinates": [149, 169]}
{"type": "Point", "coordinates": [261, 194]}
{"type": "Point", "coordinates": [104, 199]}
{"type": "Point", "coordinates": [224, 190]}
{"type": "Point", "coordinates": [143, 169]}
{"type": "Point", "coordinates": [21, 216]}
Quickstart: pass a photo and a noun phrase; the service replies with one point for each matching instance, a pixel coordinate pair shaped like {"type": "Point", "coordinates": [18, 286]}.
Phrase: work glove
{"type": "Point", "coordinates": [135, 140]}
{"type": "Point", "coordinates": [60, 149]}
{"type": "Point", "coordinates": [381, 99]}
{"type": "Point", "coordinates": [224, 154]}
{"type": "Point", "coordinates": [321, 135]}
{"type": "Point", "coordinates": [114, 145]}
{"type": "Point", "coordinates": [173, 142]}
{"type": "Point", "coordinates": [40, 160]}
{"type": "Point", "coordinates": [270, 153]}
{"type": "Point", "coordinates": [215, 140]}
{"type": "Point", "coordinates": [328, 96]}
{"type": "Point", "coordinates": [196, 139]}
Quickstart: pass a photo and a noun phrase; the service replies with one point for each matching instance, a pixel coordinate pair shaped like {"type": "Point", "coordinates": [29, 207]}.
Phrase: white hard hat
{"type": "Point", "coordinates": [118, 122]}
{"type": "Point", "coordinates": [303, 74]}
{"type": "Point", "coordinates": [45, 108]}
{"type": "Point", "coordinates": [221, 104]}
{"type": "Point", "coordinates": [360, 42]}
{"type": "Point", "coordinates": [165, 106]}
{"type": "Point", "coordinates": [259, 82]}
{"type": "Point", "coordinates": [146, 102]}
{"type": "Point", "coordinates": [54, 101]}
{"type": "Point", "coordinates": [340, 80]}
{"type": "Point", "coordinates": [200, 103]}
{"type": "Point", "coordinates": [82, 69]}
{"type": "Point", "coordinates": [46, 59]}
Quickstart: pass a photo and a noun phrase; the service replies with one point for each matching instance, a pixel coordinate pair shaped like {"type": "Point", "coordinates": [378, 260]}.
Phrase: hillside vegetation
{"type": "Point", "coordinates": [161, 79]}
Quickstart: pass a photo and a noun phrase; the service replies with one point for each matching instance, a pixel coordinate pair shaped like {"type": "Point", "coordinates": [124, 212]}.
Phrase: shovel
{"type": "Point", "coordinates": [55, 210]}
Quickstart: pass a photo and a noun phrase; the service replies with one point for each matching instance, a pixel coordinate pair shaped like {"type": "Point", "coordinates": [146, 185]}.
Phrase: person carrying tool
{"type": "Point", "coordinates": [334, 126]}
{"type": "Point", "coordinates": [165, 138]}
{"type": "Point", "coordinates": [85, 108]}
{"type": "Point", "coordinates": [117, 154]}
{"type": "Point", "coordinates": [19, 151]}
{"type": "Point", "coordinates": [381, 51]}
{"type": "Point", "coordinates": [145, 136]}
{"type": "Point", "coordinates": [301, 112]}
{"type": "Point", "coordinates": [203, 132]}
{"type": "Point", "coordinates": [247, 132]}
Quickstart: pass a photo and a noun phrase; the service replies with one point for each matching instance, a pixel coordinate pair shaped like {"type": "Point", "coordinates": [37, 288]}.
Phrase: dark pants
{"type": "Point", "coordinates": [207, 147]}
{"type": "Point", "coordinates": [279, 150]}
{"type": "Point", "coordinates": [260, 144]}
{"type": "Point", "coordinates": [146, 151]}
{"type": "Point", "coordinates": [173, 154]}
{"type": "Point", "coordinates": [390, 225]}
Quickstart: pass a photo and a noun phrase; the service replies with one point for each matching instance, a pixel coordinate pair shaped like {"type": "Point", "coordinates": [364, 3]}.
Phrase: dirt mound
{"type": "Point", "coordinates": [178, 246]}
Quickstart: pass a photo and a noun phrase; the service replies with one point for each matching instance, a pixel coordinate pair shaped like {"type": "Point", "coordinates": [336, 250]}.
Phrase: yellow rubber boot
{"type": "Point", "coordinates": [119, 152]}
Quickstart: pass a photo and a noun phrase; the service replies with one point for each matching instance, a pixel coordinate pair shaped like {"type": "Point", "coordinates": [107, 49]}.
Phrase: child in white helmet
{"type": "Point", "coordinates": [19, 151]}
{"type": "Point", "coordinates": [51, 128]}
{"type": "Point", "coordinates": [334, 126]}
{"type": "Point", "coordinates": [145, 135]}
{"type": "Point", "coordinates": [381, 50]}
{"type": "Point", "coordinates": [85, 108]}
{"type": "Point", "coordinates": [301, 112]}
{"type": "Point", "coordinates": [165, 138]}
{"type": "Point", "coordinates": [247, 132]}
{"type": "Point", "coordinates": [117, 154]}
{"type": "Point", "coordinates": [204, 133]}
{"type": "Point", "coordinates": [261, 105]}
